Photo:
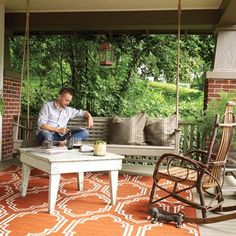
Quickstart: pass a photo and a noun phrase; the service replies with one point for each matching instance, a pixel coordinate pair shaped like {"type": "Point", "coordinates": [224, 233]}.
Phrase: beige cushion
{"type": "Point", "coordinates": [127, 130]}
{"type": "Point", "coordinates": [160, 132]}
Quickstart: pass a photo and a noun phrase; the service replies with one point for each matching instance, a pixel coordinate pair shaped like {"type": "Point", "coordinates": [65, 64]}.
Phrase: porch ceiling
{"type": "Point", "coordinates": [104, 5]}
{"type": "Point", "coordinates": [119, 16]}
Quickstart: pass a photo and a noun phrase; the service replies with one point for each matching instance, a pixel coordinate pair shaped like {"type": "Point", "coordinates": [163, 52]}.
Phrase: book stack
{"type": "Point", "coordinates": [50, 151]}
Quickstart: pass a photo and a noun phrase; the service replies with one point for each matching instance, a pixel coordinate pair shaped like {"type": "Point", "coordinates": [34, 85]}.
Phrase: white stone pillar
{"type": "Point", "coordinates": [225, 55]}
{"type": "Point", "coordinates": [223, 76]}
{"type": "Point", "coordinates": [2, 36]}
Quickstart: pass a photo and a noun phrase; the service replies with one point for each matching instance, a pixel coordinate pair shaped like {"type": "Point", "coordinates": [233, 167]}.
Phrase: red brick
{"type": "Point", "coordinates": [215, 86]}
{"type": "Point", "coordinates": [215, 96]}
{"type": "Point", "coordinates": [11, 94]}
{"type": "Point", "coordinates": [222, 81]}
{"type": "Point", "coordinates": [233, 89]}
{"type": "Point", "coordinates": [227, 86]}
{"type": "Point", "coordinates": [211, 81]}
{"type": "Point", "coordinates": [210, 90]}
{"type": "Point", "coordinates": [233, 81]}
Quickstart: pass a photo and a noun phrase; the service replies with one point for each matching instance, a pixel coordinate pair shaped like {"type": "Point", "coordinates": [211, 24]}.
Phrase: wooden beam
{"type": "Point", "coordinates": [228, 13]}
{"type": "Point", "coordinates": [158, 21]}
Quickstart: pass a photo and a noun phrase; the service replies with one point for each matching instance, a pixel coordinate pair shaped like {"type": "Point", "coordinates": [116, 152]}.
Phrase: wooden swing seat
{"type": "Point", "coordinates": [100, 131]}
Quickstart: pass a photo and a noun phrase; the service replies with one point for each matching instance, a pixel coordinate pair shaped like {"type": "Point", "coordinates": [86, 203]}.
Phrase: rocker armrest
{"type": "Point", "coordinates": [217, 163]}
{"type": "Point", "coordinates": [198, 166]}
{"type": "Point", "coordinates": [227, 125]}
{"type": "Point", "coordinates": [181, 158]}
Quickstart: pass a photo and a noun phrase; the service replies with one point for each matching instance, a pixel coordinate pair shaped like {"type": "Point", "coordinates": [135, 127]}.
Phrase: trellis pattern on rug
{"type": "Point", "coordinates": [87, 212]}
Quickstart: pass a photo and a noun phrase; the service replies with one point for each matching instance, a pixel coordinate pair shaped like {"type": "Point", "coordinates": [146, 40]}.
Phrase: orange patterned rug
{"type": "Point", "coordinates": [83, 213]}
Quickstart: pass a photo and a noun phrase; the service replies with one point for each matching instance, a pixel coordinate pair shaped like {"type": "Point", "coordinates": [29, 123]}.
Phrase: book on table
{"type": "Point", "coordinates": [52, 150]}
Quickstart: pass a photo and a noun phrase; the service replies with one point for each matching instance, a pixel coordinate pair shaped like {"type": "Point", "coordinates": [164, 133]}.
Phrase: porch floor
{"type": "Point", "coordinates": [223, 228]}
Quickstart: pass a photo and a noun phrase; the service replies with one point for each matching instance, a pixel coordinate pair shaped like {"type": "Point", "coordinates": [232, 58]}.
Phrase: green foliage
{"type": "Point", "coordinates": [72, 60]}
{"type": "Point", "coordinates": [159, 100]}
{"type": "Point", "coordinates": [38, 94]}
{"type": "Point", "coordinates": [99, 142]}
{"type": "Point", "coordinates": [215, 106]}
{"type": "Point", "coordinates": [1, 105]}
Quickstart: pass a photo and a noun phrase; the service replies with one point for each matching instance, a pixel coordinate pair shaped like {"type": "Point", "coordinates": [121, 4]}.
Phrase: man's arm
{"type": "Point", "coordinates": [61, 131]}
{"type": "Point", "coordinates": [89, 118]}
{"type": "Point", "coordinates": [83, 114]}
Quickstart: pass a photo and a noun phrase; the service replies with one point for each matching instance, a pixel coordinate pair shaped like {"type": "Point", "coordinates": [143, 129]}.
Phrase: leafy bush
{"type": "Point", "coordinates": [159, 100]}
{"type": "Point", "coordinates": [155, 98]}
{"type": "Point", "coordinates": [215, 106]}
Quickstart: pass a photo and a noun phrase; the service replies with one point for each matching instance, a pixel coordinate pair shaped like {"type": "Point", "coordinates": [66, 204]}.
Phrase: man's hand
{"type": "Point", "coordinates": [63, 131]}
{"type": "Point", "coordinates": [89, 118]}
{"type": "Point", "coordinates": [90, 122]}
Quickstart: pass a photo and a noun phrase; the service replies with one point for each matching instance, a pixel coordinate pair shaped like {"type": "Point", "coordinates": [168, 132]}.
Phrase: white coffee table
{"type": "Point", "coordinates": [71, 161]}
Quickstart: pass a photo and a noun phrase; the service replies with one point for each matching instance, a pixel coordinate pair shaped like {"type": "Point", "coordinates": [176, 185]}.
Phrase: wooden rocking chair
{"type": "Point", "coordinates": [200, 170]}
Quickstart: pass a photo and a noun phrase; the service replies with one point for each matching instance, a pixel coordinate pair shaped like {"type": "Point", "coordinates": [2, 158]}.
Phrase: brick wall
{"type": "Point", "coordinates": [11, 95]}
{"type": "Point", "coordinates": [214, 86]}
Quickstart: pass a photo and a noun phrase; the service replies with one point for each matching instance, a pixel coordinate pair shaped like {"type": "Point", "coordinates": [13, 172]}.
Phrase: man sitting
{"type": "Point", "coordinates": [54, 116]}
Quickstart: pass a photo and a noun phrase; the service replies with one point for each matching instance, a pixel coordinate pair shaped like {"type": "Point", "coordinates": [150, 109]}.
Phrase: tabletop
{"type": "Point", "coordinates": [68, 155]}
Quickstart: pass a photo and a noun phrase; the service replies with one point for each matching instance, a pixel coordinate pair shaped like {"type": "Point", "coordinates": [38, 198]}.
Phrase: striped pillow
{"type": "Point", "coordinates": [128, 130]}
{"type": "Point", "coordinates": [160, 132]}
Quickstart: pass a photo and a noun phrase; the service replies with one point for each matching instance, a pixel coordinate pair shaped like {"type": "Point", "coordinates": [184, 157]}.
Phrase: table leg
{"type": "Point", "coordinates": [80, 181]}
{"type": "Point", "coordinates": [113, 185]}
{"type": "Point", "coordinates": [25, 178]}
{"type": "Point", "coordinates": [54, 180]}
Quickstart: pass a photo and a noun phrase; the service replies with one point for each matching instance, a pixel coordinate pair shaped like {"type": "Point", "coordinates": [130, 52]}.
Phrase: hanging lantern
{"type": "Point", "coordinates": [106, 54]}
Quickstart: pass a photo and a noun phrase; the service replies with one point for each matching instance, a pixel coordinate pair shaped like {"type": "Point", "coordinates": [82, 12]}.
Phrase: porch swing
{"type": "Point", "coordinates": [25, 60]}
{"type": "Point", "coordinates": [101, 129]}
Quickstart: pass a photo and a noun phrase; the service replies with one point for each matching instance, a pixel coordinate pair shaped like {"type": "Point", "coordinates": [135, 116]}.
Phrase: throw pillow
{"type": "Point", "coordinates": [128, 130]}
{"type": "Point", "coordinates": [160, 132]}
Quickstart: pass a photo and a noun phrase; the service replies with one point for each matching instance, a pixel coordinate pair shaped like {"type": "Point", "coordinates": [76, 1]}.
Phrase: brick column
{"type": "Point", "coordinates": [223, 76]}
{"type": "Point", "coordinates": [214, 86]}
{"type": "Point", "coordinates": [11, 95]}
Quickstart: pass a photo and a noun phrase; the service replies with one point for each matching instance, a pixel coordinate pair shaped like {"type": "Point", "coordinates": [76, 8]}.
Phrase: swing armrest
{"type": "Point", "coordinates": [23, 127]}
{"type": "Point", "coordinates": [177, 130]}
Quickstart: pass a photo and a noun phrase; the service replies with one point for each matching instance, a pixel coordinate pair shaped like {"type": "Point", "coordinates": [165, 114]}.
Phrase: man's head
{"type": "Point", "coordinates": [65, 97]}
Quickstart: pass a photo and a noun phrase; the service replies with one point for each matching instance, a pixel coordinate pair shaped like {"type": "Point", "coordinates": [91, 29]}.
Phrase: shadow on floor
{"type": "Point", "coordinates": [8, 163]}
